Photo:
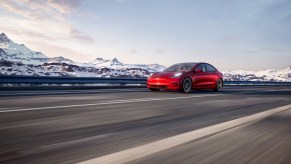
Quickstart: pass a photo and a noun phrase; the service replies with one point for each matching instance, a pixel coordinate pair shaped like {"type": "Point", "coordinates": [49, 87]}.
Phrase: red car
{"type": "Point", "coordinates": [187, 76]}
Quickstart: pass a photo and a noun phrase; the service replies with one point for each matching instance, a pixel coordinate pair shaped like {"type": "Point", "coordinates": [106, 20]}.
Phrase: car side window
{"type": "Point", "coordinates": [185, 67]}
{"type": "Point", "coordinates": [210, 68]}
{"type": "Point", "coordinates": [201, 67]}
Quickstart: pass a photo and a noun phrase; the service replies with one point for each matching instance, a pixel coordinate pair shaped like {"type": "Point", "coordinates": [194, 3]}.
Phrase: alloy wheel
{"type": "Point", "coordinates": [219, 85]}
{"type": "Point", "coordinates": [187, 85]}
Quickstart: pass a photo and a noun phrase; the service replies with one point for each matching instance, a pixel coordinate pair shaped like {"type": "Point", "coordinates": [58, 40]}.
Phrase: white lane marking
{"type": "Point", "coordinates": [43, 123]}
{"type": "Point", "coordinates": [10, 108]}
{"type": "Point", "coordinates": [64, 144]}
{"type": "Point", "coordinates": [77, 91]}
{"type": "Point", "coordinates": [111, 102]}
{"type": "Point", "coordinates": [273, 90]}
{"type": "Point", "coordinates": [167, 143]}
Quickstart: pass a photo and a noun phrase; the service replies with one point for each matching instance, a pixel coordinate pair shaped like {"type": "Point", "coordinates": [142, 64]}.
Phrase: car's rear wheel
{"type": "Point", "coordinates": [154, 89]}
{"type": "Point", "coordinates": [187, 85]}
{"type": "Point", "coordinates": [219, 85]}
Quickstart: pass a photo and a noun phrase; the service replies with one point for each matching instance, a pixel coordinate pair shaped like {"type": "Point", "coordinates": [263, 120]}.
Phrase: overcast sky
{"type": "Point", "coordinates": [230, 34]}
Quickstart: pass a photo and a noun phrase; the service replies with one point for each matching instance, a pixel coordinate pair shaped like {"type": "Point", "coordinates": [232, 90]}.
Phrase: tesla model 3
{"type": "Point", "coordinates": [185, 77]}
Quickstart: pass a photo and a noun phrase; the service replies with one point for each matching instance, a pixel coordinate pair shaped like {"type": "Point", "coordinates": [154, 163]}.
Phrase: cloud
{"type": "Point", "coordinates": [252, 52]}
{"type": "Point", "coordinates": [42, 19]}
{"type": "Point", "coordinates": [88, 15]}
{"type": "Point", "coordinates": [64, 6]}
{"type": "Point", "coordinates": [76, 34]}
{"type": "Point", "coordinates": [14, 7]}
{"type": "Point", "coordinates": [133, 51]}
{"type": "Point", "coordinates": [56, 50]}
{"type": "Point", "coordinates": [37, 9]}
{"type": "Point", "coordinates": [43, 29]}
{"type": "Point", "coordinates": [159, 51]}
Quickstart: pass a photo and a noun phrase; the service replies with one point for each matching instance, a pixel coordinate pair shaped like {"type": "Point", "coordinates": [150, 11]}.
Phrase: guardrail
{"type": "Point", "coordinates": [68, 80]}
{"type": "Point", "coordinates": [8, 79]}
{"type": "Point", "coordinates": [257, 83]}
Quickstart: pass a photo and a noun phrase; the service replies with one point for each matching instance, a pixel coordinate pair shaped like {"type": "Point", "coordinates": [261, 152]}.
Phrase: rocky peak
{"type": "Point", "coordinates": [99, 59]}
{"type": "Point", "coordinates": [60, 59]}
{"type": "Point", "coordinates": [3, 38]}
{"type": "Point", "coordinates": [115, 61]}
{"type": "Point", "coordinates": [2, 53]}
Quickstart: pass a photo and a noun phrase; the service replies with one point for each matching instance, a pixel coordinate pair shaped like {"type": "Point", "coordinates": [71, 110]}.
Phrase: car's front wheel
{"type": "Point", "coordinates": [154, 89]}
{"type": "Point", "coordinates": [219, 85]}
{"type": "Point", "coordinates": [187, 85]}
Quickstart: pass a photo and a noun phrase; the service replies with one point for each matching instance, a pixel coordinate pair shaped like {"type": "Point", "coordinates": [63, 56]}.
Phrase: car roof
{"type": "Point", "coordinates": [193, 63]}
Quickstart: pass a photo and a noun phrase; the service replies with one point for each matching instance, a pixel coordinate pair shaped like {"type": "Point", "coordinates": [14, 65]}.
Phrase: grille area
{"type": "Point", "coordinates": [158, 86]}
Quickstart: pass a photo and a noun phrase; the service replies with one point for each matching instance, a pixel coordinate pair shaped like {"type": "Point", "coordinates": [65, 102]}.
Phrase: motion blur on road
{"type": "Point", "coordinates": [135, 125]}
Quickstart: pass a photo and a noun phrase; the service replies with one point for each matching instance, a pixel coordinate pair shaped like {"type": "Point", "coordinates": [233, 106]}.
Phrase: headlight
{"type": "Point", "coordinates": [177, 75]}
{"type": "Point", "coordinates": [151, 75]}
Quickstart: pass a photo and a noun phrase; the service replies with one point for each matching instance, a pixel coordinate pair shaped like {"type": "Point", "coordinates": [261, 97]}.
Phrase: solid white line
{"type": "Point", "coordinates": [10, 108]}
{"type": "Point", "coordinates": [274, 90]}
{"type": "Point", "coordinates": [167, 143]}
{"type": "Point", "coordinates": [110, 102]}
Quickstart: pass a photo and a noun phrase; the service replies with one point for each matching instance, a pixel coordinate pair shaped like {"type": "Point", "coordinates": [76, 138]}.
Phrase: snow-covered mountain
{"type": "Point", "coordinates": [99, 61]}
{"type": "Point", "coordinates": [116, 64]}
{"type": "Point", "coordinates": [19, 52]}
{"type": "Point", "coordinates": [262, 75]}
{"type": "Point", "coordinates": [17, 59]}
{"type": "Point", "coordinates": [113, 64]}
{"type": "Point", "coordinates": [60, 59]}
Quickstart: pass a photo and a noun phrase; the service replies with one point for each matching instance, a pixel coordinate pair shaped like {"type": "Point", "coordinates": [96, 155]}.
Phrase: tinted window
{"type": "Point", "coordinates": [173, 68]}
{"type": "Point", "coordinates": [210, 68]}
{"type": "Point", "coordinates": [201, 67]}
{"type": "Point", "coordinates": [180, 67]}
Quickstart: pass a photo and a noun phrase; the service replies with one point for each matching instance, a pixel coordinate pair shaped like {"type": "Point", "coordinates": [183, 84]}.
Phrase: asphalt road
{"type": "Point", "coordinates": [71, 126]}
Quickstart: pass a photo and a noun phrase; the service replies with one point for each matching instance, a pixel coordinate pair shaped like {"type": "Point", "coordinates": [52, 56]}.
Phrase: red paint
{"type": "Point", "coordinates": [201, 75]}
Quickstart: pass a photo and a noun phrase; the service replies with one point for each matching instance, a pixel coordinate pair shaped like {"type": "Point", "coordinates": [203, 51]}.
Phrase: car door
{"type": "Point", "coordinates": [212, 75]}
{"type": "Point", "coordinates": [200, 76]}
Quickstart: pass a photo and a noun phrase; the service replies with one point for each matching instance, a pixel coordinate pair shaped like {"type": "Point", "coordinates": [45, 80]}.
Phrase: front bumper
{"type": "Point", "coordinates": [160, 83]}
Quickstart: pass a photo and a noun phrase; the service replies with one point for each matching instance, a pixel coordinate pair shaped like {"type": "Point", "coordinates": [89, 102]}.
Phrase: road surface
{"type": "Point", "coordinates": [85, 126]}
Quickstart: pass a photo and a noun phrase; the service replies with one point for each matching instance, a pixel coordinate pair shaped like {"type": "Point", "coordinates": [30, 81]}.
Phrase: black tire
{"type": "Point", "coordinates": [187, 85]}
{"type": "Point", "coordinates": [219, 85]}
{"type": "Point", "coordinates": [154, 89]}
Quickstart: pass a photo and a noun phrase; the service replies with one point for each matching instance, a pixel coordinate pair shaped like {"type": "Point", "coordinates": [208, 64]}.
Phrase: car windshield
{"type": "Point", "coordinates": [180, 67]}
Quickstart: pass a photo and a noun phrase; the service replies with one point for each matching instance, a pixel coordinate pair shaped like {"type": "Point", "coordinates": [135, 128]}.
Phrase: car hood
{"type": "Point", "coordinates": [163, 74]}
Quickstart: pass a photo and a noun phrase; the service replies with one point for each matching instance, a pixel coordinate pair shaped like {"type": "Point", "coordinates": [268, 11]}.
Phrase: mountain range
{"type": "Point", "coordinates": [17, 59]}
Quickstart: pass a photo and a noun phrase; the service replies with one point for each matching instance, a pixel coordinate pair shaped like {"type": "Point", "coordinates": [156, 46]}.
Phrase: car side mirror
{"type": "Point", "coordinates": [198, 70]}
